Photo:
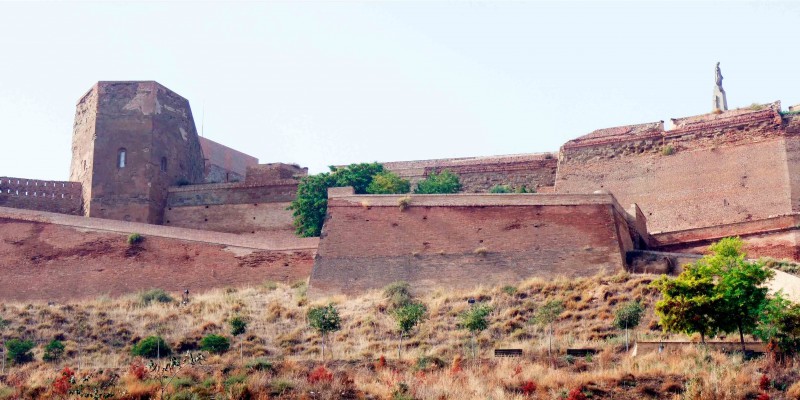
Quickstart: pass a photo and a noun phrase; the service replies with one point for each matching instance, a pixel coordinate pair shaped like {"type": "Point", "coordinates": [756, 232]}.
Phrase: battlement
{"type": "Point", "coordinates": [32, 194]}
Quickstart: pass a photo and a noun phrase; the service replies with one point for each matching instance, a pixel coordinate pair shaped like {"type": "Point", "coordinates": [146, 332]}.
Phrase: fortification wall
{"type": "Point", "coordinates": [480, 174]}
{"type": "Point", "coordinates": [46, 256]}
{"type": "Point", "coordinates": [32, 194]}
{"type": "Point", "coordinates": [462, 241]}
{"type": "Point", "coordinates": [224, 164]}
{"type": "Point", "coordinates": [252, 218]}
{"type": "Point", "coordinates": [710, 170]}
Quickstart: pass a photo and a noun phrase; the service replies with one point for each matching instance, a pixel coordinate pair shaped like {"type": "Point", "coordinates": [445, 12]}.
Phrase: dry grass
{"type": "Point", "coordinates": [99, 334]}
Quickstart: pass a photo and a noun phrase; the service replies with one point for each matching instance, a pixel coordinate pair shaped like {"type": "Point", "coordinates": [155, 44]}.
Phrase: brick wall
{"type": "Point", "coordinates": [461, 241]}
{"type": "Point", "coordinates": [480, 174]}
{"type": "Point", "coordinates": [720, 170]}
{"type": "Point", "coordinates": [251, 218]}
{"type": "Point", "coordinates": [32, 194]}
{"type": "Point", "coordinates": [224, 164]}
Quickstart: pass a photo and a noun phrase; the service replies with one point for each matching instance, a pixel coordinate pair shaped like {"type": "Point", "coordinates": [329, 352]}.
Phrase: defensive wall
{"type": "Point", "coordinates": [54, 196]}
{"type": "Point", "coordinates": [480, 174]}
{"type": "Point", "coordinates": [48, 256]}
{"type": "Point", "coordinates": [256, 206]}
{"type": "Point", "coordinates": [224, 164]}
{"type": "Point", "coordinates": [710, 170]}
{"type": "Point", "coordinates": [466, 240]}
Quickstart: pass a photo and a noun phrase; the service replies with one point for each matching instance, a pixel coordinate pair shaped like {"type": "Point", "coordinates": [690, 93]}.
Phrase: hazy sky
{"type": "Point", "coordinates": [340, 82]}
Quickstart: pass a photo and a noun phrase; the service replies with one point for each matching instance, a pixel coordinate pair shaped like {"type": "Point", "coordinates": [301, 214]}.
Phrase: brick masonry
{"type": "Point", "coordinates": [461, 241]}
{"type": "Point", "coordinates": [224, 164]}
{"type": "Point", "coordinates": [32, 194]}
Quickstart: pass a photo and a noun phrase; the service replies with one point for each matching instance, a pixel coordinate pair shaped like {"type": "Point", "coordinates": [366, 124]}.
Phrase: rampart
{"type": "Point", "coordinates": [48, 256]}
{"type": "Point", "coordinates": [224, 164]}
{"type": "Point", "coordinates": [31, 194]}
{"type": "Point", "coordinates": [710, 170]}
{"type": "Point", "coordinates": [466, 240]}
{"type": "Point", "coordinates": [480, 174]}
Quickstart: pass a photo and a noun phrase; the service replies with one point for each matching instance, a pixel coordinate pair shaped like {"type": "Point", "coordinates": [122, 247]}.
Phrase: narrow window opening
{"type": "Point", "coordinates": [121, 159]}
{"type": "Point", "coordinates": [163, 164]}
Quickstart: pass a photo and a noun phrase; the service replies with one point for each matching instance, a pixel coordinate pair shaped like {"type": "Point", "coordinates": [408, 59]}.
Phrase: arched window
{"type": "Point", "coordinates": [163, 164]}
{"type": "Point", "coordinates": [121, 158]}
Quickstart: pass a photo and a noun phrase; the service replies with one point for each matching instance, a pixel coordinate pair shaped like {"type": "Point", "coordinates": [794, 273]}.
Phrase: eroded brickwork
{"type": "Point", "coordinates": [224, 164]}
{"type": "Point", "coordinates": [463, 241]}
{"type": "Point", "coordinates": [32, 194]}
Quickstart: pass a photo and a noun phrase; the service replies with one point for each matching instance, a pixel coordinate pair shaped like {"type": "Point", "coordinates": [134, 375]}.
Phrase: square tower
{"type": "Point", "coordinates": [130, 142]}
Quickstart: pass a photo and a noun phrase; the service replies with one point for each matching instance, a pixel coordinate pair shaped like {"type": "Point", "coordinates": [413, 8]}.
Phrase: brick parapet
{"type": "Point", "coordinates": [231, 193]}
{"type": "Point", "coordinates": [708, 234]}
{"type": "Point", "coordinates": [33, 194]}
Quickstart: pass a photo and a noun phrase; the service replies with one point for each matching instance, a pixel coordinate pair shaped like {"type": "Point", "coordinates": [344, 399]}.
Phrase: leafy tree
{"type": "Point", "coordinates": [474, 320]}
{"type": "Point", "coordinates": [151, 347]}
{"type": "Point", "coordinates": [217, 344]}
{"type": "Point", "coordinates": [324, 319]}
{"type": "Point", "coordinates": [547, 315]}
{"type": "Point", "coordinates": [500, 189]}
{"type": "Point", "coordinates": [444, 182]}
{"type": "Point", "coordinates": [238, 325]}
{"type": "Point", "coordinates": [19, 351]}
{"type": "Point", "coordinates": [627, 317]}
{"type": "Point", "coordinates": [407, 317]}
{"type": "Point", "coordinates": [780, 324]}
{"type": "Point", "coordinates": [311, 203]}
{"type": "Point", "coordinates": [388, 182]}
{"type": "Point", "coordinates": [689, 302]}
{"type": "Point", "coordinates": [54, 351]}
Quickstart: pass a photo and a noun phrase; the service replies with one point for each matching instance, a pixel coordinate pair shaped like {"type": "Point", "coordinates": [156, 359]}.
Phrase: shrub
{"type": "Point", "coordinates": [158, 295]}
{"type": "Point", "coordinates": [398, 294]}
{"type": "Point", "coordinates": [510, 290]}
{"type": "Point", "coordinates": [238, 325]}
{"type": "Point", "coordinates": [138, 370]}
{"type": "Point", "coordinates": [151, 347]}
{"type": "Point", "coordinates": [525, 189]}
{"type": "Point", "coordinates": [215, 344]}
{"type": "Point", "coordinates": [19, 351]}
{"type": "Point", "coordinates": [320, 375]}
{"type": "Point", "coordinates": [53, 351]}
{"type": "Point", "coordinates": [444, 182]}
{"type": "Point", "coordinates": [500, 189]}
{"type": "Point", "coordinates": [279, 387]}
{"type": "Point", "coordinates": [63, 383]}
{"type": "Point", "coordinates": [134, 239]}
{"type": "Point", "coordinates": [576, 394]}
{"type": "Point", "coordinates": [667, 150]}
{"type": "Point", "coordinates": [259, 364]}
{"type": "Point", "coordinates": [387, 182]}
{"type": "Point", "coordinates": [404, 202]}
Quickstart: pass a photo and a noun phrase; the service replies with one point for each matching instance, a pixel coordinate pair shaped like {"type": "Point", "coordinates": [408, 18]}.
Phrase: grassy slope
{"type": "Point", "coordinates": [99, 334]}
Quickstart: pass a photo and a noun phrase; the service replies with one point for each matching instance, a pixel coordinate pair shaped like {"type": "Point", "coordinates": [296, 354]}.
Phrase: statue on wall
{"type": "Point", "coordinates": [720, 102]}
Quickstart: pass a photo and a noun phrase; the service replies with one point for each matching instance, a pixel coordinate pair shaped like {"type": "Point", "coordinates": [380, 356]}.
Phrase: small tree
{"type": "Point", "coordinates": [444, 182]}
{"type": "Point", "coordinates": [387, 182]}
{"type": "Point", "coordinates": [474, 320]}
{"type": "Point", "coordinates": [238, 327]}
{"type": "Point", "coordinates": [19, 351]}
{"type": "Point", "coordinates": [627, 317]}
{"type": "Point", "coordinates": [324, 319]}
{"type": "Point", "coordinates": [53, 351]}
{"type": "Point", "coordinates": [780, 324]}
{"type": "Point", "coordinates": [151, 347]}
{"type": "Point", "coordinates": [547, 315]}
{"type": "Point", "coordinates": [217, 344]}
{"type": "Point", "coordinates": [407, 317]}
{"type": "Point", "coordinates": [688, 304]}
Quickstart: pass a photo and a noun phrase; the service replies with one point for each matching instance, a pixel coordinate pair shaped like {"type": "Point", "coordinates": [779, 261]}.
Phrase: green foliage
{"type": "Point", "coordinates": [19, 351]}
{"type": "Point", "coordinates": [388, 182]}
{"type": "Point", "coordinates": [474, 318]}
{"type": "Point", "coordinates": [157, 295]}
{"type": "Point", "coordinates": [780, 324]}
{"type": "Point", "coordinates": [688, 304]}
{"type": "Point", "coordinates": [525, 189]}
{"type": "Point", "coordinates": [238, 325]}
{"type": "Point", "coordinates": [548, 313]}
{"type": "Point", "coordinates": [217, 344]}
{"type": "Point", "coordinates": [398, 294]}
{"type": "Point", "coordinates": [311, 203]}
{"type": "Point", "coordinates": [54, 351]}
{"type": "Point", "coordinates": [259, 364]}
{"type": "Point", "coordinates": [151, 347]}
{"type": "Point", "coordinates": [510, 290]}
{"type": "Point", "coordinates": [667, 150]}
{"type": "Point", "coordinates": [500, 189]}
{"type": "Point", "coordinates": [444, 182]}
{"type": "Point", "coordinates": [628, 315]}
{"type": "Point", "coordinates": [409, 316]}
{"type": "Point", "coordinates": [134, 239]}
{"type": "Point", "coordinates": [325, 319]}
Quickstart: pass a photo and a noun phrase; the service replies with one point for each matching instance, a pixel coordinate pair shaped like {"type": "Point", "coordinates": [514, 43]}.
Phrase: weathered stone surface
{"type": "Point", "coordinates": [32, 194]}
{"type": "Point", "coordinates": [224, 164]}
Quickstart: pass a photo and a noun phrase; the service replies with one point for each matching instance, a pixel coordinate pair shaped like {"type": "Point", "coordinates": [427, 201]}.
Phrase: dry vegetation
{"type": "Point", "coordinates": [281, 354]}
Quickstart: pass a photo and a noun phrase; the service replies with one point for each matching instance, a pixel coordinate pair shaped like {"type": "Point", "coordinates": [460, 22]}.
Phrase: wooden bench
{"type": "Point", "coordinates": [508, 352]}
{"type": "Point", "coordinates": [581, 352]}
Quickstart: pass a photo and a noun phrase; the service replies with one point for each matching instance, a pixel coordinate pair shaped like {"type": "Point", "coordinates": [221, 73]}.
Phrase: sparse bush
{"type": "Point", "coordinates": [444, 182]}
{"type": "Point", "coordinates": [217, 344]}
{"type": "Point", "coordinates": [138, 370]}
{"type": "Point", "coordinates": [404, 202]}
{"type": "Point", "coordinates": [157, 295]}
{"type": "Point", "coordinates": [19, 351]}
{"type": "Point", "coordinates": [151, 347]}
{"type": "Point", "coordinates": [510, 290]}
{"type": "Point", "coordinates": [134, 239]}
{"type": "Point", "coordinates": [667, 150]}
{"type": "Point", "coordinates": [238, 325]}
{"type": "Point", "coordinates": [54, 351]}
{"type": "Point", "coordinates": [279, 387]}
{"type": "Point", "coordinates": [259, 364]}
{"type": "Point", "coordinates": [320, 374]}
{"type": "Point", "coordinates": [500, 189]}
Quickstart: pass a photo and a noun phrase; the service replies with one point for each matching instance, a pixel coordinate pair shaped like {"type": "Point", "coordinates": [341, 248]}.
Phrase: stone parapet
{"type": "Point", "coordinates": [54, 196]}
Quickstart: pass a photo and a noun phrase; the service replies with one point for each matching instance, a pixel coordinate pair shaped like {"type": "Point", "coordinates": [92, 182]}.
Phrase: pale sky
{"type": "Point", "coordinates": [328, 83]}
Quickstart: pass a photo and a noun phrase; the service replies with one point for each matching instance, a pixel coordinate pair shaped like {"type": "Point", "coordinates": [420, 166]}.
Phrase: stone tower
{"type": "Point", "coordinates": [130, 142]}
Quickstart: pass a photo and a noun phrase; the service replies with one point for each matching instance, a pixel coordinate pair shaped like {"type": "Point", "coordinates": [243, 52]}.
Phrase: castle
{"type": "Point", "coordinates": [637, 197]}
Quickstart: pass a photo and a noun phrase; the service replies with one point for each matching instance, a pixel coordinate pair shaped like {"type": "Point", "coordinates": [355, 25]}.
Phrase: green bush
{"type": "Point", "coordinates": [157, 295]}
{"type": "Point", "coordinates": [19, 351]}
{"type": "Point", "coordinates": [667, 150]}
{"type": "Point", "coordinates": [134, 239]}
{"type": "Point", "coordinates": [215, 344]}
{"type": "Point", "coordinates": [387, 182]}
{"type": "Point", "coordinates": [238, 325]}
{"type": "Point", "coordinates": [500, 189]}
{"type": "Point", "coordinates": [151, 347]}
{"type": "Point", "coordinates": [398, 294]}
{"type": "Point", "coordinates": [444, 182]}
{"type": "Point", "coordinates": [53, 351]}
{"type": "Point", "coordinates": [259, 364]}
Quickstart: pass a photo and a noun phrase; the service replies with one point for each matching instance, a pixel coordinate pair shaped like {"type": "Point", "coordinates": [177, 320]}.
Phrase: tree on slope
{"type": "Point", "coordinates": [547, 315]}
{"type": "Point", "coordinates": [627, 317]}
{"type": "Point", "coordinates": [689, 303]}
{"type": "Point", "coordinates": [407, 317]}
{"type": "Point", "coordinates": [324, 319]}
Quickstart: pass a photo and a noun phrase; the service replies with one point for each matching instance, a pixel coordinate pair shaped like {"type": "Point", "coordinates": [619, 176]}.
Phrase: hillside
{"type": "Point", "coordinates": [281, 354]}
